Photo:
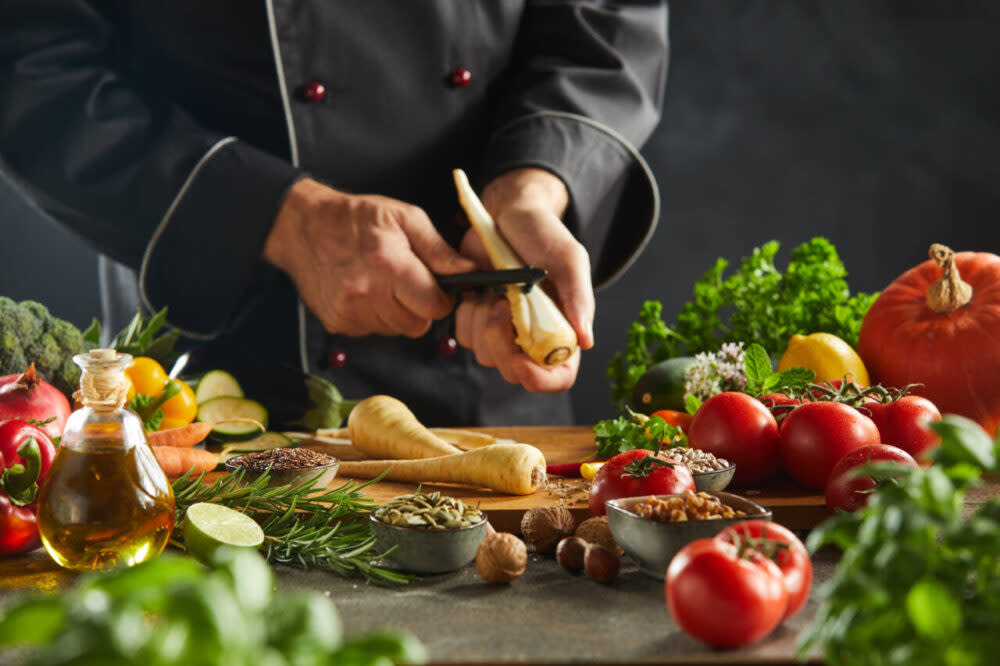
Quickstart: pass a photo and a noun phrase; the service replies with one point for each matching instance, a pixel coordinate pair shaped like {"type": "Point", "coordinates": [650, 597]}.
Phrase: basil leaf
{"type": "Point", "coordinates": [933, 610]}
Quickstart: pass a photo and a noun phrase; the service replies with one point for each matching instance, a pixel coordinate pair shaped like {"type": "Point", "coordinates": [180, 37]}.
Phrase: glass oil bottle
{"type": "Point", "coordinates": [105, 502]}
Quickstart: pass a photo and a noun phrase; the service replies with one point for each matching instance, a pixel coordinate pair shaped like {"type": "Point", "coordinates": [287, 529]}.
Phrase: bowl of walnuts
{"type": "Point", "coordinates": [653, 528]}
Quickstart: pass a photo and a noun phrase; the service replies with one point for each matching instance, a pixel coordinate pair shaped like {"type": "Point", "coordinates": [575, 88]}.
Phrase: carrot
{"type": "Point", "coordinates": [515, 469]}
{"type": "Point", "coordinates": [383, 427]}
{"type": "Point", "coordinates": [176, 462]}
{"type": "Point", "coordinates": [189, 435]}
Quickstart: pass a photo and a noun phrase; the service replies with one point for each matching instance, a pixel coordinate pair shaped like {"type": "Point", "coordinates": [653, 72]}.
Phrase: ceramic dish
{"type": "Point", "coordinates": [716, 480]}
{"type": "Point", "coordinates": [428, 551]}
{"type": "Point", "coordinates": [653, 543]}
{"type": "Point", "coordinates": [280, 477]}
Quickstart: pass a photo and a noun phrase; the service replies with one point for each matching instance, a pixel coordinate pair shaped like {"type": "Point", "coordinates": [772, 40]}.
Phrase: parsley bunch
{"type": "Point", "coordinates": [636, 431]}
{"type": "Point", "coordinates": [757, 303]}
{"type": "Point", "coordinates": [919, 582]}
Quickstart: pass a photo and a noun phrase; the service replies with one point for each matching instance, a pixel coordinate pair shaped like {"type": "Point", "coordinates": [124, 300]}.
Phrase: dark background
{"type": "Point", "coordinates": [875, 124]}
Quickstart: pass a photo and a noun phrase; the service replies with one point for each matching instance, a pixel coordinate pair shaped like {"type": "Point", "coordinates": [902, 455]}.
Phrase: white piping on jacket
{"type": "Point", "coordinates": [219, 145]}
{"type": "Point", "coordinates": [635, 155]}
{"type": "Point", "coordinates": [293, 152]}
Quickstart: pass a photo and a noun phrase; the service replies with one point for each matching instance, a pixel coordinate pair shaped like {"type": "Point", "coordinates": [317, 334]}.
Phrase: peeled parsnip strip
{"type": "Point", "coordinates": [515, 469]}
{"type": "Point", "coordinates": [467, 439]}
{"type": "Point", "coordinates": [542, 330]}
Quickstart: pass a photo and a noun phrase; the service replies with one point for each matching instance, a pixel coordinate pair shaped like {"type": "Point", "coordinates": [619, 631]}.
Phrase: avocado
{"type": "Point", "coordinates": [662, 386]}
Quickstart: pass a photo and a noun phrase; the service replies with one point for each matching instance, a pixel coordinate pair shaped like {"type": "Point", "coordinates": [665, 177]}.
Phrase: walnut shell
{"type": "Point", "coordinates": [596, 530]}
{"type": "Point", "coordinates": [545, 526]}
{"type": "Point", "coordinates": [501, 558]}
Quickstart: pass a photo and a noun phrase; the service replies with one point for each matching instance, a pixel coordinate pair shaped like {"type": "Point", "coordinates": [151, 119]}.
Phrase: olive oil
{"type": "Point", "coordinates": [101, 509]}
{"type": "Point", "coordinates": [105, 502]}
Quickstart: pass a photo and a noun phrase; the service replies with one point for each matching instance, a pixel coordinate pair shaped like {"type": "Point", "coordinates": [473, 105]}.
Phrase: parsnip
{"type": "Point", "coordinates": [463, 439]}
{"type": "Point", "coordinates": [383, 427]}
{"type": "Point", "coordinates": [515, 469]}
{"type": "Point", "coordinates": [541, 329]}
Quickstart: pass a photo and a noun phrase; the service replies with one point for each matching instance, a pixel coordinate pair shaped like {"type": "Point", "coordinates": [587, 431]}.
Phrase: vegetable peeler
{"type": "Point", "coordinates": [527, 277]}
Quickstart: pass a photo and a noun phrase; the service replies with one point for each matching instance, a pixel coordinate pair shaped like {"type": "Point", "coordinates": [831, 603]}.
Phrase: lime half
{"type": "Point", "coordinates": [208, 526]}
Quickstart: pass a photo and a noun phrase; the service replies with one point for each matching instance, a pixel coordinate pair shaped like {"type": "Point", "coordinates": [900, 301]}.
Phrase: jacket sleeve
{"type": "Point", "coordinates": [131, 173]}
{"type": "Point", "coordinates": [585, 88]}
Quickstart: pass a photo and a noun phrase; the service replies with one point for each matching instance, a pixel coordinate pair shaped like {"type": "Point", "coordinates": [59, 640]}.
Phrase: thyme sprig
{"type": "Point", "coordinates": [303, 525]}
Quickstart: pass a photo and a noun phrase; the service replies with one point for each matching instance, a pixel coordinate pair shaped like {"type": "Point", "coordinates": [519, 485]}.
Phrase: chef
{"type": "Point", "coordinates": [278, 174]}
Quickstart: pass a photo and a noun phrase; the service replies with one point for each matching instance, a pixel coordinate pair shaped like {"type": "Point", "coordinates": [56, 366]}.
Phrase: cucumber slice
{"type": "Point", "coordinates": [220, 409]}
{"type": "Point", "coordinates": [217, 384]}
{"type": "Point", "coordinates": [269, 440]}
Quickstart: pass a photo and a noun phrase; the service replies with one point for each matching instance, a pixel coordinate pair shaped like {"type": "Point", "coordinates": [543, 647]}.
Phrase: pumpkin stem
{"type": "Point", "coordinates": [951, 291]}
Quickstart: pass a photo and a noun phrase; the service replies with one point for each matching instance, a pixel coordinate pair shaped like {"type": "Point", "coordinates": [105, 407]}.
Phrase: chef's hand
{"type": "Point", "coordinates": [527, 205]}
{"type": "Point", "coordinates": [362, 263]}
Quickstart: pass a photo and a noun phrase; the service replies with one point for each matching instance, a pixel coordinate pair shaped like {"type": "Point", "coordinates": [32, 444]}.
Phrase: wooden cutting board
{"type": "Point", "coordinates": [793, 506]}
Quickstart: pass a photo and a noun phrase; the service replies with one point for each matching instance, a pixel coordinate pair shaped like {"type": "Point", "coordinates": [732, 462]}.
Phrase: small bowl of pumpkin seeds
{"type": "Point", "coordinates": [428, 533]}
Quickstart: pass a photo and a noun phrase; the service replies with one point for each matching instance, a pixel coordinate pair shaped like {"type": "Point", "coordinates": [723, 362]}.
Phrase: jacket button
{"type": "Point", "coordinates": [461, 77]}
{"type": "Point", "coordinates": [336, 358]}
{"type": "Point", "coordinates": [447, 345]}
{"type": "Point", "coordinates": [314, 91]}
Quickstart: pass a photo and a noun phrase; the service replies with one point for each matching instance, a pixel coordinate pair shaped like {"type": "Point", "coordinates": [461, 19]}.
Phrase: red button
{"type": "Point", "coordinates": [314, 91]}
{"type": "Point", "coordinates": [461, 77]}
{"type": "Point", "coordinates": [447, 346]}
{"type": "Point", "coordinates": [337, 358]}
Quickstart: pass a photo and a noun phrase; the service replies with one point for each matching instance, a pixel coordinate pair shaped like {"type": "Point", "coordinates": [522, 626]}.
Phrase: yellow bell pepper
{"type": "Point", "coordinates": [589, 470]}
{"type": "Point", "coordinates": [165, 403]}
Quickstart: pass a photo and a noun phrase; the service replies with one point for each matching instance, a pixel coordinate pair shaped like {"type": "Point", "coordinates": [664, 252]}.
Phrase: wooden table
{"type": "Point", "coordinates": [793, 506]}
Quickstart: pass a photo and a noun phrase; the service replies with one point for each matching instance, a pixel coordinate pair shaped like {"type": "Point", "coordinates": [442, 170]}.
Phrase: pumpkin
{"type": "Point", "coordinates": [938, 325]}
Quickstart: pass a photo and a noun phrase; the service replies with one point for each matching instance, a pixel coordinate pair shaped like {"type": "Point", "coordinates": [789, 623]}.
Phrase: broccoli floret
{"type": "Point", "coordinates": [29, 333]}
{"type": "Point", "coordinates": [47, 356]}
{"type": "Point", "coordinates": [66, 334]}
{"type": "Point", "coordinates": [11, 353]}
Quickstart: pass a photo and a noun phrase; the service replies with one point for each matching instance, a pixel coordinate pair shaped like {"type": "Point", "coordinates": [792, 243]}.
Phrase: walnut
{"type": "Point", "coordinates": [501, 558]}
{"type": "Point", "coordinates": [545, 526]}
{"type": "Point", "coordinates": [596, 530]}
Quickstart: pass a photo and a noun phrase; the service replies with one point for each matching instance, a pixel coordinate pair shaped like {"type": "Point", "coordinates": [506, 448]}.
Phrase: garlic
{"type": "Point", "coordinates": [542, 330]}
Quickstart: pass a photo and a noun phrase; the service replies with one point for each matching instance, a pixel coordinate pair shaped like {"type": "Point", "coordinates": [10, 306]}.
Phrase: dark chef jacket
{"type": "Point", "coordinates": [167, 133]}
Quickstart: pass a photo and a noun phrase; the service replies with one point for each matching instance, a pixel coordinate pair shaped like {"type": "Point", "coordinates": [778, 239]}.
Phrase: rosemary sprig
{"type": "Point", "coordinates": [304, 526]}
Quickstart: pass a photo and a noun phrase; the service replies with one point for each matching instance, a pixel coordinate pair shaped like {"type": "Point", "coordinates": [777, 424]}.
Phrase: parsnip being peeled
{"type": "Point", "coordinates": [541, 329]}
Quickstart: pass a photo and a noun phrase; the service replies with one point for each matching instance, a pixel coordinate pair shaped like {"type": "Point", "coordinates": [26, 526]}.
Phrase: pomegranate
{"type": "Point", "coordinates": [28, 396]}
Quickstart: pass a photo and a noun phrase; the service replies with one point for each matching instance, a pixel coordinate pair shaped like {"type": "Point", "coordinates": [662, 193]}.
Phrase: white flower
{"type": "Point", "coordinates": [716, 372]}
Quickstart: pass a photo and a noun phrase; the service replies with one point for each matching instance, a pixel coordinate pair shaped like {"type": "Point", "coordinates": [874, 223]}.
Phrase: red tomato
{"type": "Point", "coordinates": [677, 419]}
{"type": "Point", "coordinates": [721, 598]}
{"type": "Point", "coordinates": [903, 423]}
{"type": "Point", "coordinates": [740, 429]}
{"type": "Point", "coordinates": [818, 434]}
{"type": "Point", "coordinates": [848, 490]}
{"type": "Point", "coordinates": [793, 560]}
{"type": "Point", "coordinates": [785, 402]}
{"type": "Point", "coordinates": [613, 481]}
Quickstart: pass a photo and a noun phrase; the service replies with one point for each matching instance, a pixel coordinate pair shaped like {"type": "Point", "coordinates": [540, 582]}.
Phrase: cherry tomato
{"type": "Point", "coordinates": [786, 550]}
{"type": "Point", "coordinates": [147, 376]}
{"type": "Point", "coordinates": [724, 597]}
{"type": "Point", "coordinates": [677, 419]}
{"type": "Point", "coordinates": [848, 490]}
{"type": "Point", "coordinates": [613, 480]}
{"type": "Point", "coordinates": [903, 423]}
{"type": "Point", "coordinates": [740, 429]}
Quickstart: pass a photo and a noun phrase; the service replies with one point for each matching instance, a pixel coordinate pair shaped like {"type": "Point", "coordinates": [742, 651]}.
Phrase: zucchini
{"type": "Point", "coordinates": [267, 441]}
{"type": "Point", "coordinates": [217, 384]}
{"type": "Point", "coordinates": [221, 409]}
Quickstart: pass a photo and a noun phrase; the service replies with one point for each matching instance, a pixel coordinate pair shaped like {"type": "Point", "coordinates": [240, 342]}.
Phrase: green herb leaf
{"type": "Point", "coordinates": [758, 365]}
{"type": "Point", "coordinates": [34, 622]}
{"type": "Point", "coordinates": [933, 611]}
{"type": "Point", "coordinates": [691, 404]}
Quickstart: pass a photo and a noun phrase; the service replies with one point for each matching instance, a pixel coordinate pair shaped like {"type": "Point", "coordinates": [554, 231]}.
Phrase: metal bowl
{"type": "Point", "coordinates": [428, 551]}
{"type": "Point", "coordinates": [652, 543]}
{"type": "Point", "coordinates": [715, 480]}
{"type": "Point", "coordinates": [323, 474]}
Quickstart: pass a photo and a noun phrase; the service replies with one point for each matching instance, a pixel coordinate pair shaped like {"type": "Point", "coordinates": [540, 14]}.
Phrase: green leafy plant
{"type": "Point", "coordinates": [919, 582]}
{"type": "Point", "coordinates": [172, 611]}
{"type": "Point", "coordinates": [303, 525]}
{"type": "Point", "coordinates": [762, 379]}
{"type": "Point", "coordinates": [757, 303]}
{"type": "Point", "coordinates": [635, 431]}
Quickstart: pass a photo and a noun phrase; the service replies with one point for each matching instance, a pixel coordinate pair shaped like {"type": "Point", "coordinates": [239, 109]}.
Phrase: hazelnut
{"type": "Point", "coordinates": [501, 558]}
{"type": "Point", "coordinates": [544, 526]}
{"type": "Point", "coordinates": [596, 530]}
{"type": "Point", "coordinates": [600, 564]}
{"type": "Point", "coordinates": [569, 553]}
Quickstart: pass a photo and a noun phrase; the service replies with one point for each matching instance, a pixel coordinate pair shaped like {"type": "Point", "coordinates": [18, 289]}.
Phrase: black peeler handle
{"type": "Point", "coordinates": [527, 277]}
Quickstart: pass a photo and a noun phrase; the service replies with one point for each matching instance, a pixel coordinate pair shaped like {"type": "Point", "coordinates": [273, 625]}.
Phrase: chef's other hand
{"type": "Point", "coordinates": [362, 264]}
{"type": "Point", "coordinates": [527, 205]}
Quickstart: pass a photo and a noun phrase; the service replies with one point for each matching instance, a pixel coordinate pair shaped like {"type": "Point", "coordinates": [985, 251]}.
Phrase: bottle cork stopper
{"type": "Point", "coordinates": [103, 384]}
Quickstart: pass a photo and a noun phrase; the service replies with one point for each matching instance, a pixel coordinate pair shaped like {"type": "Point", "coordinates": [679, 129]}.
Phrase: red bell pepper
{"type": "Point", "coordinates": [26, 454]}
